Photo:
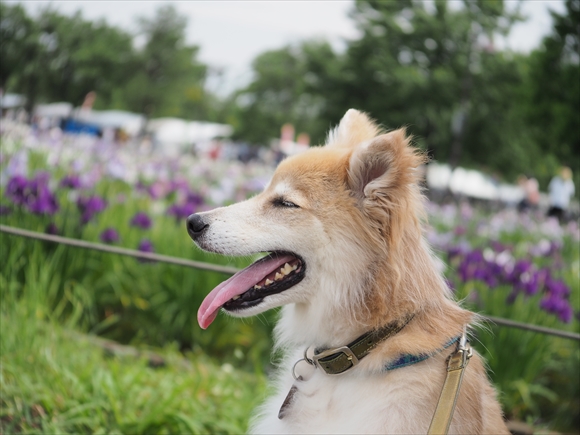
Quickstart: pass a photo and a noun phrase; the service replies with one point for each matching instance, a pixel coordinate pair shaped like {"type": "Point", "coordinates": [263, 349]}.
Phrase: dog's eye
{"type": "Point", "coordinates": [281, 202]}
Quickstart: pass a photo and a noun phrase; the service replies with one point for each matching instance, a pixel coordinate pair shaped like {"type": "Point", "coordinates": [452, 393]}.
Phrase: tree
{"type": "Point", "coordinates": [17, 40]}
{"type": "Point", "coordinates": [167, 79]}
{"type": "Point", "coordinates": [417, 64]}
{"type": "Point", "coordinates": [60, 58]}
{"type": "Point", "coordinates": [285, 90]}
{"type": "Point", "coordinates": [83, 56]}
{"type": "Point", "coordinates": [553, 104]}
{"type": "Point", "coordinates": [20, 52]}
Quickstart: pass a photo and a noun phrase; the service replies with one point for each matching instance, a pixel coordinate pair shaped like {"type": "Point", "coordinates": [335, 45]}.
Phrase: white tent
{"type": "Point", "coordinates": [11, 101]}
{"type": "Point", "coordinates": [470, 183]}
{"type": "Point", "coordinates": [53, 110]}
{"type": "Point", "coordinates": [131, 123]}
{"type": "Point", "coordinates": [174, 134]}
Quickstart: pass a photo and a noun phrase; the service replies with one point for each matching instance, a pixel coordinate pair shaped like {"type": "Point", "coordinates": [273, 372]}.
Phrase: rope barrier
{"type": "Point", "coordinates": [533, 328]}
{"type": "Point", "coordinates": [231, 270]}
{"type": "Point", "coordinates": [116, 250]}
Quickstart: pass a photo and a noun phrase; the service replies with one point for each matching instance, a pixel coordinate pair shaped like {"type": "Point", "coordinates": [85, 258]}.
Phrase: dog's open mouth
{"type": "Point", "coordinates": [272, 274]}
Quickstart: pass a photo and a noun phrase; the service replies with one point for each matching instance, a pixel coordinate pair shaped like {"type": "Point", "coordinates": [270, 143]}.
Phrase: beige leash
{"type": "Point", "coordinates": [448, 399]}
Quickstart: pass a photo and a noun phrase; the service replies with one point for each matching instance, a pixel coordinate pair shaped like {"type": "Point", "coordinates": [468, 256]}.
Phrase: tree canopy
{"type": "Point", "coordinates": [62, 58]}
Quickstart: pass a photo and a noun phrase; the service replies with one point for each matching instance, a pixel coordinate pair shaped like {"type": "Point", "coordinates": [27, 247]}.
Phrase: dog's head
{"type": "Point", "coordinates": [330, 220]}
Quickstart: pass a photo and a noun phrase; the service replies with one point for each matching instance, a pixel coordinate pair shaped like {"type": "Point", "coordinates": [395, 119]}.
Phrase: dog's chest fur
{"type": "Point", "coordinates": [398, 401]}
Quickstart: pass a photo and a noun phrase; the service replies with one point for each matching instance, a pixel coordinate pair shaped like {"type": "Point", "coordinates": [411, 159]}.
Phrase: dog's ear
{"type": "Point", "coordinates": [383, 167]}
{"type": "Point", "coordinates": [354, 127]}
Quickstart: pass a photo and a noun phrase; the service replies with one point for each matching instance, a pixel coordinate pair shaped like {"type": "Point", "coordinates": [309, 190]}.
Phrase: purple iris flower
{"type": "Point", "coordinates": [141, 220]}
{"type": "Point", "coordinates": [42, 200]}
{"type": "Point", "coordinates": [34, 194]}
{"type": "Point", "coordinates": [194, 198]}
{"type": "Point", "coordinates": [16, 189]}
{"type": "Point", "coordinates": [71, 182]}
{"type": "Point", "coordinates": [52, 229]}
{"type": "Point", "coordinates": [181, 211]}
{"type": "Point", "coordinates": [145, 245]}
{"type": "Point", "coordinates": [557, 288]}
{"type": "Point", "coordinates": [180, 185]}
{"type": "Point", "coordinates": [558, 306]}
{"type": "Point", "coordinates": [157, 190]}
{"type": "Point", "coordinates": [472, 266]}
{"type": "Point", "coordinates": [90, 206]}
{"type": "Point", "coordinates": [512, 297]}
{"type": "Point", "coordinates": [141, 186]}
{"type": "Point", "coordinates": [453, 251]}
{"type": "Point", "coordinates": [497, 246]}
{"type": "Point", "coordinates": [109, 235]}
{"type": "Point", "coordinates": [543, 275]}
{"type": "Point", "coordinates": [44, 203]}
{"type": "Point", "coordinates": [520, 268]}
{"type": "Point", "coordinates": [529, 283]}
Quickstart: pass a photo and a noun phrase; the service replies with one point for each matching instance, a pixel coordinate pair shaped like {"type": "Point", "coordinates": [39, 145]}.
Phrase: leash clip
{"type": "Point", "coordinates": [464, 347]}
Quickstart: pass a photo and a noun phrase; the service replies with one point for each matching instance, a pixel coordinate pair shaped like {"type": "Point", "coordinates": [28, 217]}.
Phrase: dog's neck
{"type": "Point", "coordinates": [421, 292]}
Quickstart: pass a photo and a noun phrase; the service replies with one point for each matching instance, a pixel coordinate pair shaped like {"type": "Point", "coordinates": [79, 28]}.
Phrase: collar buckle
{"type": "Point", "coordinates": [322, 359]}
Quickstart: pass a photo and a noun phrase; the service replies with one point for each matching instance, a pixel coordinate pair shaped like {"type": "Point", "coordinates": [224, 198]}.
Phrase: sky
{"type": "Point", "coordinates": [231, 34]}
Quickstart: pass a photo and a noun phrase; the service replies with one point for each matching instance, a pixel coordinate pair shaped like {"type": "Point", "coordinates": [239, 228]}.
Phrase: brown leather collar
{"type": "Point", "coordinates": [340, 359]}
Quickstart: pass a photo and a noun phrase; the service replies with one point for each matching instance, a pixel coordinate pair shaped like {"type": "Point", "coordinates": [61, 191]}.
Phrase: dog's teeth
{"type": "Point", "coordinates": [295, 267]}
{"type": "Point", "coordinates": [286, 269]}
{"type": "Point", "coordinates": [278, 277]}
{"type": "Point", "coordinates": [257, 287]}
{"type": "Point", "coordinates": [236, 298]}
{"type": "Point", "coordinates": [268, 282]}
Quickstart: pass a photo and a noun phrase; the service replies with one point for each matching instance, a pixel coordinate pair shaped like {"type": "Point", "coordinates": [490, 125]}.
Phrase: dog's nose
{"type": "Point", "coordinates": [196, 226]}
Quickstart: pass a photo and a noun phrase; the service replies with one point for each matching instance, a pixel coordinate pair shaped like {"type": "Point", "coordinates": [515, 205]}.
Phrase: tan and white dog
{"type": "Point", "coordinates": [347, 255]}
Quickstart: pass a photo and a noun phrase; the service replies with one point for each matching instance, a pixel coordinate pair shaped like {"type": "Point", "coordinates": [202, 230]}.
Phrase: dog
{"type": "Point", "coordinates": [349, 265]}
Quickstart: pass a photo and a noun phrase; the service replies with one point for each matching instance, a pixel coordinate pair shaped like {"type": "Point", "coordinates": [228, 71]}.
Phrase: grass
{"type": "Point", "coordinates": [55, 381]}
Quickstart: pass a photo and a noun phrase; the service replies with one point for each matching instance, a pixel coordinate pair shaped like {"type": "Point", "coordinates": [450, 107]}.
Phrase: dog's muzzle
{"type": "Point", "coordinates": [196, 226]}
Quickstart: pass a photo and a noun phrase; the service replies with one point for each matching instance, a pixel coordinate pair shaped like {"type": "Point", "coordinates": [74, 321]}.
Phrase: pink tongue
{"type": "Point", "coordinates": [236, 285]}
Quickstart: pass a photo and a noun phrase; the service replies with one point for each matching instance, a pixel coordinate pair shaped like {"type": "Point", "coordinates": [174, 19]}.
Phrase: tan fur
{"type": "Point", "coordinates": [359, 226]}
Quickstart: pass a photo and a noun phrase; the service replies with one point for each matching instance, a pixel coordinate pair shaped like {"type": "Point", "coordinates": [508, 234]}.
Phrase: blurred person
{"type": "Point", "coordinates": [531, 193]}
{"type": "Point", "coordinates": [561, 189]}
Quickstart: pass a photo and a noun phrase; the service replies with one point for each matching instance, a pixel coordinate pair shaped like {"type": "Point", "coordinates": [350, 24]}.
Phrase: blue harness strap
{"type": "Point", "coordinates": [407, 360]}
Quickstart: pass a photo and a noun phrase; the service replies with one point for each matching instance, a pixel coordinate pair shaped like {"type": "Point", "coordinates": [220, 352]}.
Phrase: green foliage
{"type": "Point", "coordinates": [18, 45]}
{"type": "Point", "coordinates": [120, 297]}
{"type": "Point", "coordinates": [168, 80]}
{"type": "Point", "coordinates": [61, 58]}
{"type": "Point", "coordinates": [284, 91]}
{"type": "Point", "coordinates": [66, 57]}
{"type": "Point", "coordinates": [527, 388]}
{"type": "Point", "coordinates": [54, 380]}
{"type": "Point", "coordinates": [434, 69]}
{"type": "Point", "coordinates": [80, 59]}
{"type": "Point", "coordinates": [535, 374]}
{"type": "Point", "coordinates": [553, 100]}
